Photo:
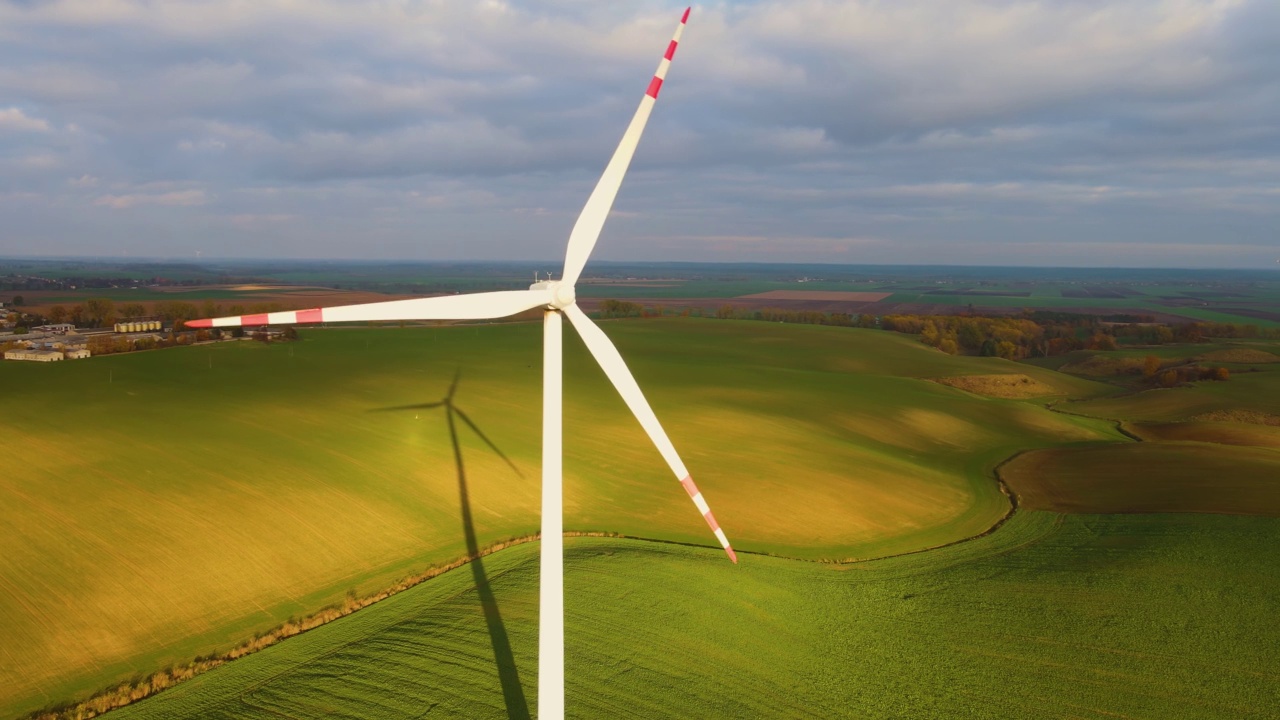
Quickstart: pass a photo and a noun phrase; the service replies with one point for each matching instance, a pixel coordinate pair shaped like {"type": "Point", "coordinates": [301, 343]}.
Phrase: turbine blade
{"type": "Point", "coordinates": [607, 355]}
{"type": "Point", "coordinates": [476, 306]}
{"type": "Point", "coordinates": [587, 229]}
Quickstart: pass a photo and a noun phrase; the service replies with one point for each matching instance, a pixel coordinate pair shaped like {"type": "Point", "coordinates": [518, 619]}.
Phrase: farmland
{"type": "Point", "coordinates": [1227, 296]}
{"type": "Point", "coordinates": [173, 503]}
{"type": "Point", "coordinates": [1149, 477]}
{"type": "Point", "coordinates": [1051, 616]}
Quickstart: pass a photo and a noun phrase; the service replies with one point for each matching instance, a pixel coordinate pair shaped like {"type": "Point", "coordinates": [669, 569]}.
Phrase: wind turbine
{"type": "Point", "coordinates": [557, 299]}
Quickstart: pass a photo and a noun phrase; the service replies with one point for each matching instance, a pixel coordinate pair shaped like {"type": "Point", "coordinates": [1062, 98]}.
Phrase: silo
{"type": "Point", "coordinates": [154, 325]}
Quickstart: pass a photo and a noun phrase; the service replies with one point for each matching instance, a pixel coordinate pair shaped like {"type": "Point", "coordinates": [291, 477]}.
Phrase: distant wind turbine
{"type": "Point", "coordinates": [557, 298]}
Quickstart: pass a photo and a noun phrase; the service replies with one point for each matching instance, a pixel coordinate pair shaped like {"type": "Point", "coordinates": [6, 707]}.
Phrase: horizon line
{"type": "Point", "coordinates": [185, 260]}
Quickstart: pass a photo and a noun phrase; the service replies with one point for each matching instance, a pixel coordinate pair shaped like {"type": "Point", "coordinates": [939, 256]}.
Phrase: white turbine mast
{"type": "Point", "coordinates": [557, 298]}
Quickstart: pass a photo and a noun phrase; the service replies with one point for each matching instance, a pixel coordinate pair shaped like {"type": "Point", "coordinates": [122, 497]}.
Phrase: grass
{"type": "Point", "coordinates": [1160, 616]}
{"type": "Point", "coordinates": [171, 504]}
{"type": "Point", "coordinates": [1252, 391]}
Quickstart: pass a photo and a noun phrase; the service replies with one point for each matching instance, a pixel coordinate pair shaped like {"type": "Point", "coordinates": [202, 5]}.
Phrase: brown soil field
{"type": "Point", "coordinates": [982, 293]}
{"type": "Point", "coordinates": [288, 297]}
{"type": "Point", "coordinates": [1251, 313]}
{"type": "Point", "coordinates": [630, 283]}
{"type": "Point", "coordinates": [1101, 365]}
{"type": "Point", "coordinates": [1223, 433]}
{"type": "Point", "coordinates": [1148, 477]}
{"type": "Point", "coordinates": [1011, 386]}
{"type": "Point", "coordinates": [1239, 416]}
{"type": "Point", "coordinates": [878, 308]}
{"type": "Point", "coordinates": [709, 305]}
{"type": "Point", "coordinates": [823, 295]}
{"type": "Point", "coordinates": [1241, 355]}
{"type": "Point", "coordinates": [315, 297]}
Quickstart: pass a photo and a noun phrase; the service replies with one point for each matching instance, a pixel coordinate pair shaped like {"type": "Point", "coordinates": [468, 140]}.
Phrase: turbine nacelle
{"type": "Point", "coordinates": [561, 294]}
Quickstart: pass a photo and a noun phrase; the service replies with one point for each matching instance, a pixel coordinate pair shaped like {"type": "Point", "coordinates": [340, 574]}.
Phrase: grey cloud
{"type": "Point", "coordinates": [814, 129]}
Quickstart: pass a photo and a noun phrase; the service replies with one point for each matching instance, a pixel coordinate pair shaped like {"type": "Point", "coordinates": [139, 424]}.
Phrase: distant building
{"type": "Point", "coordinates": [77, 354]}
{"type": "Point", "coordinates": [33, 355]}
{"type": "Point", "coordinates": [57, 328]}
{"type": "Point", "coordinates": [71, 342]}
{"type": "Point", "coordinates": [138, 325]}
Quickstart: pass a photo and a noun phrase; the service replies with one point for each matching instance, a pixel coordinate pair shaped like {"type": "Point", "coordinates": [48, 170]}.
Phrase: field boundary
{"type": "Point", "coordinates": [140, 688]}
{"type": "Point", "coordinates": [1120, 428]}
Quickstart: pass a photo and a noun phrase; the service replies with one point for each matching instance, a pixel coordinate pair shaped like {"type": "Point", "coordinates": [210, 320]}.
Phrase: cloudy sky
{"type": "Point", "coordinates": [1057, 132]}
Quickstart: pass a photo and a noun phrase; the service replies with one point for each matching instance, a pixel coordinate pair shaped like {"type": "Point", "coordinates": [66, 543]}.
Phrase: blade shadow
{"type": "Point", "coordinates": [508, 673]}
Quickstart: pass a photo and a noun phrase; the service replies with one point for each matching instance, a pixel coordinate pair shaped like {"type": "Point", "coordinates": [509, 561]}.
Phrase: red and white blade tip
{"type": "Point", "coordinates": [291, 317]}
{"type": "Point", "coordinates": [656, 83]}
{"type": "Point", "coordinates": [698, 500]}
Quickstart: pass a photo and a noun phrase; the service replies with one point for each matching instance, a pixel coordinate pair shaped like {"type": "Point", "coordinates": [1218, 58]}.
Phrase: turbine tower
{"type": "Point", "coordinates": [557, 299]}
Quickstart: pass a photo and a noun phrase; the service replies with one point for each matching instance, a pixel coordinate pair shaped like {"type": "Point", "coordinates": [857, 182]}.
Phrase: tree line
{"type": "Point", "coordinates": [104, 312]}
{"type": "Point", "coordinates": [1033, 333]}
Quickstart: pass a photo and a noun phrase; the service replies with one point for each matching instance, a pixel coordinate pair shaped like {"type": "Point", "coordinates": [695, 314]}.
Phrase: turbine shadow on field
{"type": "Point", "coordinates": [508, 673]}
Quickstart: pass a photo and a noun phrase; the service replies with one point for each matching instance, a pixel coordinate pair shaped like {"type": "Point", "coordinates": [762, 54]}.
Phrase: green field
{"type": "Point", "coordinates": [172, 503]}
{"type": "Point", "coordinates": [1050, 617]}
{"type": "Point", "coordinates": [1255, 390]}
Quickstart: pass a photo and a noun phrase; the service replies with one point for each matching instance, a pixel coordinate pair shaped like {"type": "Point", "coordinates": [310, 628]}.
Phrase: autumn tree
{"type": "Point", "coordinates": [58, 314]}
{"type": "Point", "coordinates": [929, 334]}
{"type": "Point", "coordinates": [99, 311]}
{"type": "Point", "coordinates": [1102, 341]}
{"type": "Point", "coordinates": [1150, 366]}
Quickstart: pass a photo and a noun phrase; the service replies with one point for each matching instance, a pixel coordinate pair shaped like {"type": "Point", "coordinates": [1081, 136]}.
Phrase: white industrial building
{"type": "Point", "coordinates": [33, 355]}
{"type": "Point", "coordinates": [38, 355]}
